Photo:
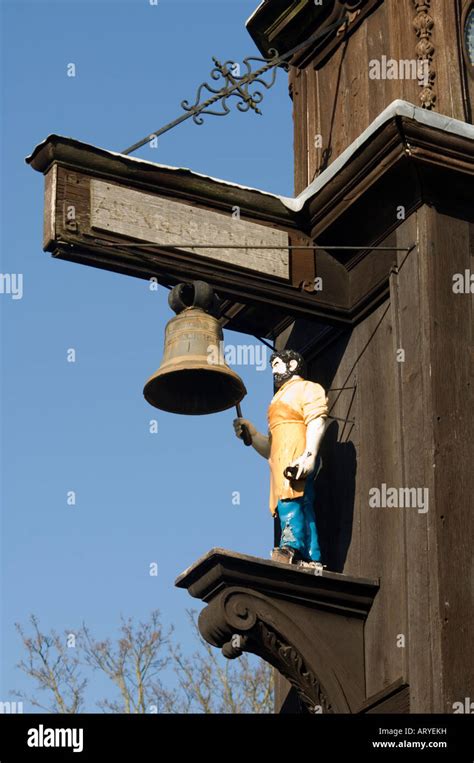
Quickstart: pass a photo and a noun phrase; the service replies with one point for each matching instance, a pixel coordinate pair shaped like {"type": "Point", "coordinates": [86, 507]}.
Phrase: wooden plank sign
{"type": "Point", "coordinates": [150, 218]}
{"type": "Point", "coordinates": [121, 214]}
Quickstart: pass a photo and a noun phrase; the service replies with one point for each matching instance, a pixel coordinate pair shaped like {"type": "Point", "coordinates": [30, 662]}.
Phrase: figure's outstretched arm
{"type": "Point", "coordinates": [260, 442]}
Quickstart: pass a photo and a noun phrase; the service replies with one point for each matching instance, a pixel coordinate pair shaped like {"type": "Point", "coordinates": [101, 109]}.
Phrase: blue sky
{"type": "Point", "coordinates": [84, 426]}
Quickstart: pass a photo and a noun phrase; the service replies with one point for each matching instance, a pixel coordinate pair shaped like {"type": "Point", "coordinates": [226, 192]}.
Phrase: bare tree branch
{"type": "Point", "coordinates": [134, 662]}
{"type": "Point", "coordinates": [55, 668]}
{"type": "Point", "coordinates": [212, 684]}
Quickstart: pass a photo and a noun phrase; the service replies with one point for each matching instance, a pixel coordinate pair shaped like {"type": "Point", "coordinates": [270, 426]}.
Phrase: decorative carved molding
{"type": "Point", "coordinates": [265, 643]}
{"type": "Point", "coordinates": [423, 24]}
{"type": "Point", "coordinates": [289, 662]}
{"type": "Point", "coordinates": [240, 621]}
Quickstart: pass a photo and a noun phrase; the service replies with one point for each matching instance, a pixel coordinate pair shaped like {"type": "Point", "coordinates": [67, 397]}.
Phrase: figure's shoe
{"type": "Point", "coordinates": [316, 567]}
{"type": "Point", "coordinates": [286, 555]}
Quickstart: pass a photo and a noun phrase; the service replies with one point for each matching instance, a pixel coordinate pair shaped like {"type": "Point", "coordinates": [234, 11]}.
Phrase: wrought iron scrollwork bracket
{"type": "Point", "coordinates": [233, 85]}
{"type": "Point", "coordinates": [237, 85]}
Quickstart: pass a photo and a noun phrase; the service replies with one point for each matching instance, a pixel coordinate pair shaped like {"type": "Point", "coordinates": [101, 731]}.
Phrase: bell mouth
{"type": "Point", "coordinates": [194, 391]}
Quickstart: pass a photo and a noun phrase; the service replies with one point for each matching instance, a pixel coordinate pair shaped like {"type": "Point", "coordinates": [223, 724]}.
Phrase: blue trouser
{"type": "Point", "coordinates": [298, 522]}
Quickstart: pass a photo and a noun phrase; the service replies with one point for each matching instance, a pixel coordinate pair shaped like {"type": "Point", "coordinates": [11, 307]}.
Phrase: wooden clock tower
{"type": "Point", "coordinates": [383, 97]}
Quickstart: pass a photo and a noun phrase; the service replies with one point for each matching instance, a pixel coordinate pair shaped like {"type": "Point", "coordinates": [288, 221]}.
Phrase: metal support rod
{"type": "Point", "coordinates": [237, 86]}
{"type": "Point", "coordinates": [332, 247]}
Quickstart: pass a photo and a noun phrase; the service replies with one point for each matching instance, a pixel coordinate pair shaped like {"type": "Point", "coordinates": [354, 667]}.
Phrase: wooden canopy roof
{"type": "Point", "coordinates": [406, 157]}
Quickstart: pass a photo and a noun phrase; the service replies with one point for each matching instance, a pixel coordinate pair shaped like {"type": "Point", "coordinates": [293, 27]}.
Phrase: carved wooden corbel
{"type": "Point", "coordinates": [239, 621]}
{"type": "Point", "coordinates": [309, 627]}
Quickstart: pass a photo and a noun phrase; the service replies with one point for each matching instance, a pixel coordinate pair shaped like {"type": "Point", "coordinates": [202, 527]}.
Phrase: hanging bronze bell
{"type": "Point", "coordinates": [193, 378]}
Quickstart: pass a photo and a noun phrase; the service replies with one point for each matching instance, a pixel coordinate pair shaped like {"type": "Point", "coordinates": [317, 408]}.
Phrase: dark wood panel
{"type": "Point", "coordinates": [312, 122]}
{"type": "Point", "coordinates": [452, 348]}
{"type": "Point", "coordinates": [400, 43]}
{"type": "Point", "coordinates": [338, 513]}
{"type": "Point", "coordinates": [379, 42]}
{"type": "Point", "coordinates": [448, 73]}
{"type": "Point", "coordinates": [416, 405]}
{"type": "Point", "coordinates": [356, 83]}
{"type": "Point", "coordinates": [347, 99]}
{"type": "Point", "coordinates": [300, 140]}
{"type": "Point", "coordinates": [397, 703]}
{"type": "Point", "coordinates": [382, 540]}
{"type": "Point", "coordinates": [330, 116]}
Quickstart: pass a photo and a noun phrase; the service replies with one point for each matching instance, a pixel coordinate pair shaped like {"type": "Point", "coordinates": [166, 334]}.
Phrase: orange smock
{"type": "Point", "coordinates": [294, 405]}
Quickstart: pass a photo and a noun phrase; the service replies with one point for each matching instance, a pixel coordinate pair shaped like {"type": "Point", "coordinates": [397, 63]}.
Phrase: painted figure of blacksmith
{"type": "Point", "coordinates": [296, 423]}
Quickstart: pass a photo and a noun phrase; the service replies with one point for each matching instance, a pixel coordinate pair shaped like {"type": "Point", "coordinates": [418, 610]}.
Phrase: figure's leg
{"type": "Point", "coordinates": [312, 551]}
{"type": "Point", "coordinates": [292, 522]}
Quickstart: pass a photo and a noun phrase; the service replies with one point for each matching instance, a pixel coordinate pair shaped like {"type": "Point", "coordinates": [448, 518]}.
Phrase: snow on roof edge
{"type": "Point", "coordinates": [138, 159]}
{"type": "Point", "coordinates": [254, 13]}
{"type": "Point", "coordinates": [396, 108]}
{"type": "Point", "coordinates": [295, 204]}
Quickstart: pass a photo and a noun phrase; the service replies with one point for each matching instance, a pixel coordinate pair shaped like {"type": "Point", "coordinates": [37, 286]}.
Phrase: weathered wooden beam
{"type": "Point", "coordinates": [146, 217]}
{"type": "Point", "coordinates": [172, 182]}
